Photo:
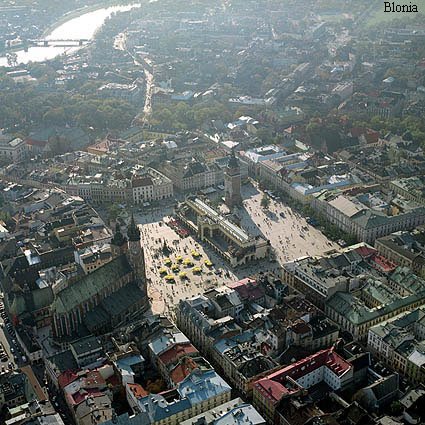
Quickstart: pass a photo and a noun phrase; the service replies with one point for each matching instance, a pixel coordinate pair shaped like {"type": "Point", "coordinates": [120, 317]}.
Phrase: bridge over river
{"type": "Point", "coordinates": [55, 43]}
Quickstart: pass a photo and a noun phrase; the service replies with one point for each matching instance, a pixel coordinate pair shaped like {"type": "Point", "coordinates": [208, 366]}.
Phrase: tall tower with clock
{"type": "Point", "coordinates": [232, 182]}
{"type": "Point", "coordinates": [135, 255]}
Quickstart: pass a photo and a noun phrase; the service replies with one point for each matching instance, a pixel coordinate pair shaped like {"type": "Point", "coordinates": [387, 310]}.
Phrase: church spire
{"type": "Point", "coordinates": [133, 232]}
{"type": "Point", "coordinates": [118, 239]}
{"type": "Point", "coordinates": [232, 162]}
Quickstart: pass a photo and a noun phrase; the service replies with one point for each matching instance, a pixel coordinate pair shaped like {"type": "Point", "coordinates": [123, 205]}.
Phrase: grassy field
{"type": "Point", "coordinates": [380, 16]}
{"type": "Point", "coordinates": [335, 18]}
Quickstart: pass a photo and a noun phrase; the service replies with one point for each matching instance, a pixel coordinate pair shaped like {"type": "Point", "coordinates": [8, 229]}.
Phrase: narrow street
{"type": "Point", "coordinates": [120, 44]}
{"type": "Point", "coordinates": [149, 80]}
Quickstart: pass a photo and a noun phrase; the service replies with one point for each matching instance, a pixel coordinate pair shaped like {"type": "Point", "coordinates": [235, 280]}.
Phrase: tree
{"type": "Point", "coordinates": [265, 201]}
{"type": "Point", "coordinates": [265, 135]}
{"type": "Point", "coordinates": [396, 408]}
{"type": "Point", "coordinates": [216, 202]}
{"type": "Point", "coordinates": [6, 218]}
{"type": "Point", "coordinates": [55, 116]}
{"type": "Point", "coordinates": [12, 59]}
{"type": "Point", "coordinates": [113, 212]}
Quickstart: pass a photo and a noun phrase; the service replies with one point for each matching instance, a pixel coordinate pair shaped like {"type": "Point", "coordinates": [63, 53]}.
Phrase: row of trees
{"type": "Point", "coordinates": [24, 107]}
{"type": "Point", "coordinates": [413, 124]}
{"type": "Point", "coordinates": [182, 116]}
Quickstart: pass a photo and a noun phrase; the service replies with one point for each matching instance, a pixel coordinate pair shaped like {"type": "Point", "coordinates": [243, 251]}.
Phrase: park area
{"type": "Point", "coordinates": [379, 15]}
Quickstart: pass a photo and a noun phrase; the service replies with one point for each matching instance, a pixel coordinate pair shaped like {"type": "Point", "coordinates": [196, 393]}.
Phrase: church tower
{"type": "Point", "coordinates": [118, 243]}
{"type": "Point", "coordinates": [136, 256]}
{"type": "Point", "coordinates": [232, 182]}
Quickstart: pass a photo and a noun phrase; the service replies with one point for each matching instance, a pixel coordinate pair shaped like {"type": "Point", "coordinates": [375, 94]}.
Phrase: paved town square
{"type": "Point", "coordinates": [290, 236]}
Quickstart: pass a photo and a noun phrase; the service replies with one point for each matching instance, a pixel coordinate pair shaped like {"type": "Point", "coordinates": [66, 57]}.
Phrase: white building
{"type": "Point", "coordinates": [152, 186]}
{"type": "Point", "coordinates": [13, 151]}
{"type": "Point", "coordinates": [4, 233]}
{"type": "Point", "coordinates": [128, 92]}
{"type": "Point", "coordinates": [343, 90]}
{"type": "Point", "coordinates": [93, 257]}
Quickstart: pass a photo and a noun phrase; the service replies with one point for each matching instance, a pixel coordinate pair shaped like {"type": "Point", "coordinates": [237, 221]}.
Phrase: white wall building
{"type": "Point", "coordinates": [13, 151]}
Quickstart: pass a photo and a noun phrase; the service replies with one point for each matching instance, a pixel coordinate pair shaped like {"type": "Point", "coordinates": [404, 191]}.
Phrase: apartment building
{"type": "Point", "coordinates": [369, 216]}
{"type": "Point", "coordinates": [13, 151]}
{"type": "Point", "coordinates": [406, 249]}
{"type": "Point", "coordinates": [151, 186]}
{"type": "Point", "coordinates": [399, 343]}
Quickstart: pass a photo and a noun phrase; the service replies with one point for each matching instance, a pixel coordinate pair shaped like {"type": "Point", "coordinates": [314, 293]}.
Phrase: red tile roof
{"type": "Point", "coordinates": [67, 377]}
{"type": "Point", "coordinates": [35, 142]}
{"type": "Point", "coordinates": [81, 395]}
{"type": "Point", "coordinates": [248, 289]}
{"type": "Point", "coordinates": [365, 251]}
{"type": "Point", "coordinates": [137, 390]}
{"type": "Point", "coordinates": [183, 369]}
{"type": "Point", "coordinates": [176, 351]}
{"type": "Point", "coordinates": [274, 386]}
{"type": "Point", "coordinates": [300, 327]}
{"type": "Point", "coordinates": [381, 263]}
{"type": "Point", "coordinates": [371, 136]}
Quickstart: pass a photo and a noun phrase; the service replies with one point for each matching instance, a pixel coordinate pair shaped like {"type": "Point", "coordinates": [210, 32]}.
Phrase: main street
{"type": "Point", "coordinates": [120, 43]}
{"type": "Point", "coordinates": [9, 347]}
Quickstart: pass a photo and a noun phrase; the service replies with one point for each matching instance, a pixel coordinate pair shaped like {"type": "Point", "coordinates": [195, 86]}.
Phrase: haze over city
{"type": "Point", "coordinates": [212, 212]}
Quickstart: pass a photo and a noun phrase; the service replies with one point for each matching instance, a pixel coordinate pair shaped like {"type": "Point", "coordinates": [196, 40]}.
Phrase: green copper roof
{"type": "Point", "coordinates": [27, 302]}
{"type": "Point", "coordinates": [90, 285]}
{"type": "Point", "coordinates": [356, 311]}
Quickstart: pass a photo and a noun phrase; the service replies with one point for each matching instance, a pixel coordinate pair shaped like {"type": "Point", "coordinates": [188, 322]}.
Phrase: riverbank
{"type": "Point", "coordinates": [82, 11]}
{"type": "Point", "coordinates": [27, 52]}
{"type": "Point", "coordinates": [69, 16]}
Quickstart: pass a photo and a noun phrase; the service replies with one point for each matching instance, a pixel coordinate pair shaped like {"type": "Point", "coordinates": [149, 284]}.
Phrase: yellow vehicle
{"type": "Point", "coordinates": [169, 277]}
{"type": "Point", "coordinates": [187, 262]}
{"type": "Point", "coordinates": [175, 267]}
{"type": "Point", "coordinates": [196, 269]}
{"type": "Point", "coordinates": [195, 254]}
{"type": "Point", "coordinates": [162, 271]}
{"type": "Point", "coordinates": [179, 259]}
{"type": "Point", "coordinates": [208, 263]}
{"type": "Point", "coordinates": [167, 261]}
{"type": "Point", "coordinates": [183, 274]}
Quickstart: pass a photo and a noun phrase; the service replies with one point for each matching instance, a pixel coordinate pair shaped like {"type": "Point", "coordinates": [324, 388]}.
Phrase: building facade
{"type": "Point", "coordinates": [324, 366]}
{"type": "Point", "coordinates": [107, 296]}
{"type": "Point", "coordinates": [232, 182]}
{"type": "Point", "coordinates": [399, 343]}
{"type": "Point", "coordinates": [13, 151]}
{"type": "Point", "coordinates": [153, 186]}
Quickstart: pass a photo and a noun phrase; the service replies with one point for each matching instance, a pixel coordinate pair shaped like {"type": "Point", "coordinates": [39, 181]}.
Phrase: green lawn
{"type": "Point", "coordinates": [335, 18]}
{"type": "Point", "coordinates": [381, 16]}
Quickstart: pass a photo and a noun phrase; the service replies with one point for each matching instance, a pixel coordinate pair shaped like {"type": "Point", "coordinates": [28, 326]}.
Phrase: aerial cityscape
{"type": "Point", "coordinates": [212, 212]}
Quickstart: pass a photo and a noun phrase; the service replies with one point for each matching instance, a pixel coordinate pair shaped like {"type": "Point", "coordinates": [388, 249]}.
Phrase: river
{"type": "Point", "coordinates": [82, 27]}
